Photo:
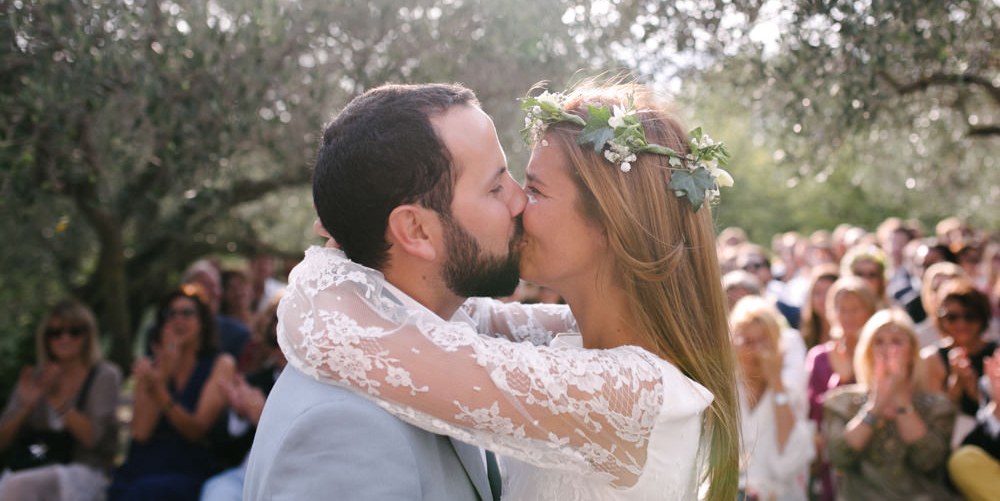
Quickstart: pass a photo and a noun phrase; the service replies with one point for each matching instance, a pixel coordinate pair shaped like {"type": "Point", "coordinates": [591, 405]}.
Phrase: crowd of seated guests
{"type": "Point", "coordinates": [901, 330]}
{"type": "Point", "coordinates": [192, 401]}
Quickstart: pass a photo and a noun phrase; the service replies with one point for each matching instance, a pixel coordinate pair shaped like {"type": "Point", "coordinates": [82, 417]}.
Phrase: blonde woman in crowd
{"type": "Point", "coordinates": [935, 275]}
{"type": "Point", "coordinates": [849, 304]}
{"type": "Point", "coordinates": [777, 436]}
{"type": "Point", "coordinates": [60, 421]}
{"type": "Point", "coordinates": [867, 262]}
{"type": "Point", "coordinates": [887, 437]}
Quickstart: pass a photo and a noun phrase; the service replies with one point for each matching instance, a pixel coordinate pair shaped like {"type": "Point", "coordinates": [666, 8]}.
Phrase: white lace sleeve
{"type": "Point", "coordinates": [555, 407]}
{"type": "Point", "coordinates": [534, 323]}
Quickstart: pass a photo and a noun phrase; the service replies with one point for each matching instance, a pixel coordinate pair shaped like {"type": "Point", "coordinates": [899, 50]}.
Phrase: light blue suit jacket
{"type": "Point", "coordinates": [317, 441]}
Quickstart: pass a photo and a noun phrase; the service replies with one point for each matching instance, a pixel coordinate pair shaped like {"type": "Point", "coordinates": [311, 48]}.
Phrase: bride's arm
{"type": "Point", "coordinates": [535, 323]}
{"type": "Point", "coordinates": [581, 410]}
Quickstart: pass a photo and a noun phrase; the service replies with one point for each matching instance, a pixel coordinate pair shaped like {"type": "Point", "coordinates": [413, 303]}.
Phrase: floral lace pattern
{"type": "Point", "coordinates": [561, 408]}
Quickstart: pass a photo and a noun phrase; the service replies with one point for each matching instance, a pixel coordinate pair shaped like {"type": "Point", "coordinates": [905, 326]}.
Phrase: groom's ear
{"type": "Point", "coordinates": [415, 229]}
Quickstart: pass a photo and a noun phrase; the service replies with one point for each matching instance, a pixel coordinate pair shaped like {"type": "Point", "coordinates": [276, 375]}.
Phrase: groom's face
{"type": "Point", "coordinates": [484, 221]}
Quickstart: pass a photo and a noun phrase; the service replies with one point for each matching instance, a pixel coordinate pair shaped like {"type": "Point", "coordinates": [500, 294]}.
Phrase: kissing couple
{"type": "Point", "coordinates": [399, 360]}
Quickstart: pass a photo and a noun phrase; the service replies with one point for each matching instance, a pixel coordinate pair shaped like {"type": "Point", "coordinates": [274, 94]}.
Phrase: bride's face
{"type": "Point", "coordinates": [561, 248]}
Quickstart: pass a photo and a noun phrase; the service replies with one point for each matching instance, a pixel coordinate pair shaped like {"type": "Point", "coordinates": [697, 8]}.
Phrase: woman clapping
{"type": "Point", "coordinates": [885, 436]}
{"type": "Point", "coordinates": [60, 422]}
{"type": "Point", "coordinates": [777, 436]}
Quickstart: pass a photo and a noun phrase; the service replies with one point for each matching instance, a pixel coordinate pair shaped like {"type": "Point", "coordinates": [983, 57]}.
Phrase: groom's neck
{"type": "Point", "coordinates": [425, 286]}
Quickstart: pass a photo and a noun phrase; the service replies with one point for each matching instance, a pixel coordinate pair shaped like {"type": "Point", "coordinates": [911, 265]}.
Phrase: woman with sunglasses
{"type": "Point", "coordinates": [179, 396]}
{"type": "Point", "coordinates": [60, 420]}
{"type": "Point", "coordinates": [867, 262]}
{"type": "Point", "coordinates": [955, 364]}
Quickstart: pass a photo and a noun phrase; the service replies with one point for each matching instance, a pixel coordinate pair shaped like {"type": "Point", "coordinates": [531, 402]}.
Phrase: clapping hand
{"type": "Point", "coordinates": [247, 401]}
{"type": "Point", "coordinates": [962, 372]}
{"type": "Point", "coordinates": [31, 387]}
{"type": "Point", "coordinates": [991, 369]}
{"type": "Point", "coordinates": [145, 373]}
{"type": "Point", "coordinates": [770, 364]}
{"type": "Point", "coordinates": [891, 387]}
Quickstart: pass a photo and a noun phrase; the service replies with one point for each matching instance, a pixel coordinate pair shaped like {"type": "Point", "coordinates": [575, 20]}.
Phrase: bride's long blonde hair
{"type": "Point", "coordinates": [665, 256]}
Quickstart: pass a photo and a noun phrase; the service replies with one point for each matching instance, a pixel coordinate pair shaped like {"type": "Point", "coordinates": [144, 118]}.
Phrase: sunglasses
{"type": "Point", "coordinates": [950, 317]}
{"type": "Point", "coordinates": [867, 274]}
{"type": "Point", "coordinates": [181, 312]}
{"type": "Point", "coordinates": [55, 332]}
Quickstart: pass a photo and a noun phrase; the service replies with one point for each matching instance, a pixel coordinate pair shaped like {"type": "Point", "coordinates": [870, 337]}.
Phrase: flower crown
{"type": "Point", "coordinates": [697, 175]}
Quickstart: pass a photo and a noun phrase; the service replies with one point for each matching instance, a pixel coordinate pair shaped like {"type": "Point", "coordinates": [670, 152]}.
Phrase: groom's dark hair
{"type": "Point", "coordinates": [381, 152]}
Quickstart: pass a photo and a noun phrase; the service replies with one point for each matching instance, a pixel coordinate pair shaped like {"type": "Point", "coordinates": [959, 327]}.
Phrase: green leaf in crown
{"type": "Point", "coordinates": [617, 134]}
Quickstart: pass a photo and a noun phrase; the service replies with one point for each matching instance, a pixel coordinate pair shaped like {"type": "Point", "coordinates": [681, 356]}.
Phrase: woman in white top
{"type": "Point", "coordinates": [778, 437]}
{"type": "Point", "coordinates": [644, 406]}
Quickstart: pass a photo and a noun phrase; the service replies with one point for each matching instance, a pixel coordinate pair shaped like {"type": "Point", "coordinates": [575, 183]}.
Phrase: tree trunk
{"type": "Point", "coordinates": [115, 299]}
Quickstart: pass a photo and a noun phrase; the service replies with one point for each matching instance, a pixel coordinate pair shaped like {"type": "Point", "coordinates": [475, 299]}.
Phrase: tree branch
{"type": "Point", "coordinates": [984, 130]}
{"type": "Point", "coordinates": [945, 79]}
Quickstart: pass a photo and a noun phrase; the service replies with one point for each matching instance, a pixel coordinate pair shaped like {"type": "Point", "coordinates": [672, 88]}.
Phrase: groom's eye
{"type": "Point", "coordinates": [497, 189]}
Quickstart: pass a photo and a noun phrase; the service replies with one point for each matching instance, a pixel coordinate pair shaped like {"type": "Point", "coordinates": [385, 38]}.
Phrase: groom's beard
{"type": "Point", "coordinates": [469, 272]}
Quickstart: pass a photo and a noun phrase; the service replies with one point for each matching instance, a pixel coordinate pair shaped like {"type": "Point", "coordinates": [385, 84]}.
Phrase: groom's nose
{"type": "Point", "coordinates": [516, 198]}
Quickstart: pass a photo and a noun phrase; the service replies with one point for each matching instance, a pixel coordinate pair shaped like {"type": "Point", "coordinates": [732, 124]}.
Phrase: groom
{"type": "Point", "coordinates": [410, 181]}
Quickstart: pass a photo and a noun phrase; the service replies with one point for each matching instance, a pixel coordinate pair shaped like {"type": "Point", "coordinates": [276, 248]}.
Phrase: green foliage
{"type": "Point", "coordinates": [597, 130]}
{"type": "Point", "coordinates": [692, 184]}
{"type": "Point", "coordinates": [900, 100]}
{"type": "Point", "coordinates": [136, 137]}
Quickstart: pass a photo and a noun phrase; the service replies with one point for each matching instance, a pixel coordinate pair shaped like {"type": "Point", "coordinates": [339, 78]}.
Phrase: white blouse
{"type": "Point", "coordinates": [765, 471]}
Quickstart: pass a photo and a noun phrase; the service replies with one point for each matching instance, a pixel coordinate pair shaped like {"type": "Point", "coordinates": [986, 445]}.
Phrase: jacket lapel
{"type": "Point", "coordinates": [471, 458]}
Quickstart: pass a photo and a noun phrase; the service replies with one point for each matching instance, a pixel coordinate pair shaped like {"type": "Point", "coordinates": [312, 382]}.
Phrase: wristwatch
{"type": "Point", "coordinates": [869, 419]}
{"type": "Point", "coordinates": [781, 398]}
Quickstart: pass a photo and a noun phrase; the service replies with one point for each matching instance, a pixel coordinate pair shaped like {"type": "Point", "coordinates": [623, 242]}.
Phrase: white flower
{"type": "Point", "coordinates": [706, 141]}
{"type": "Point", "coordinates": [611, 156]}
{"type": "Point", "coordinates": [721, 177]}
{"type": "Point", "coordinates": [549, 102]}
{"type": "Point", "coordinates": [626, 167]}
{"type": "Point", "coordinates": [630, 158]}
{"type": "Point", "coordinates": [617, 117]}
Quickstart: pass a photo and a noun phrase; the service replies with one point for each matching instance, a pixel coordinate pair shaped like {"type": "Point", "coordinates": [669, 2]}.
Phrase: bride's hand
{"type": "Point", "coordinates": [321, 231]}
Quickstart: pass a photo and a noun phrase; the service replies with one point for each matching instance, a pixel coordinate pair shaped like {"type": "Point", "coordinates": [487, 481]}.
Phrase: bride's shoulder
{"type": "Point", "coordinates": [681, 394]}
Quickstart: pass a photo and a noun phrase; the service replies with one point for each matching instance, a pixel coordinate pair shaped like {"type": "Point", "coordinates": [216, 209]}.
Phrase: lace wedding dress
{"type": "Point", "coordinates": [569, 423]}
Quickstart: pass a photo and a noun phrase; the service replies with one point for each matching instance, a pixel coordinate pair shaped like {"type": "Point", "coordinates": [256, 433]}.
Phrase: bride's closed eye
{"type": "Point", "coordinates": [532, 193]}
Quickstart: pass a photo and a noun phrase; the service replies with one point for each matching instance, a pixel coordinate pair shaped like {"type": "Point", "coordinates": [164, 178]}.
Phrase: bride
{"type": "Point", "coordinates": [642, 403]}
